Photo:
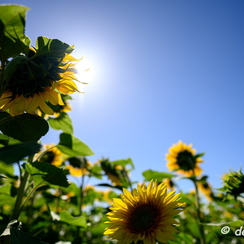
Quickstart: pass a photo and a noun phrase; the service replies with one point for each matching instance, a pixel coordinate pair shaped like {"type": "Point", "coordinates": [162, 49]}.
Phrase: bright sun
{"type": "Point", "coordinates": [85, 72]}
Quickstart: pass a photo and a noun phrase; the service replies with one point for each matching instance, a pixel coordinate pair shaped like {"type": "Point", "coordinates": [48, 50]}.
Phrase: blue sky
{"type": "Point", "coordinates": [162, 71]}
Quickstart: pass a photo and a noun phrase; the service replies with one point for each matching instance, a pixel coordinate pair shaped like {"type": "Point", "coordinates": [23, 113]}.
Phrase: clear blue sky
{"type": "Point", "coordinates": [162, 70]}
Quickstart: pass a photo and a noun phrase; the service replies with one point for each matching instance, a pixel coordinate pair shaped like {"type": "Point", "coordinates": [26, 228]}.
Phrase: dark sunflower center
{"type": "Point", "coordinates": [48, 157]}
{"type": "Point", "coordinates": [143, 218]}
{"type": "Point", "coordinates": [186, 160]}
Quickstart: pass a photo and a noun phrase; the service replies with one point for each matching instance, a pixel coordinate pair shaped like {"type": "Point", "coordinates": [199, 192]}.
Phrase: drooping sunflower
{"type": "Point", "coordinates": [233, 183]}
{"type": "Point", "coordinates": [205, 189]}
{"type": "Point", "coordinates": [169, 183]}
{"type": "Point", "coordinates": [113, 172]}
{"type": "Point", "coordinates": [78, 166]}
{"type": "Point", "coordinates": [145, 215]}
{"type": "Point", "coordinates": [39, 77]}
{"type": "Point", "coordinates": [51, 155]}
{"type": "Point", "coordinates": [183, 159]}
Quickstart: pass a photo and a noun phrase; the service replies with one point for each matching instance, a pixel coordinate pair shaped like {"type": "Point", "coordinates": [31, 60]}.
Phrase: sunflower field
{"type": "Point", "coordinates": [38, 202]}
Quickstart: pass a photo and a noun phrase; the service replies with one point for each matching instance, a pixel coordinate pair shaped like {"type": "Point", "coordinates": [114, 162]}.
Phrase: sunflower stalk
{"type": "Point", "coordinates": [21, 192]}
{"type": "Point", "coordinates": [80, 201]}
{"type": "Point", "coordinates": [198, 209]}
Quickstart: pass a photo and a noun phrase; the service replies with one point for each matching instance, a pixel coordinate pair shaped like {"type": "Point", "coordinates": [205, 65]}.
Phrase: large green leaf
{"type": "Point", "coordinates": [24, 127]}
{"type": "Point", "coordinates": [63, 122]}
{"type": "Point", "coordinates": [18, 236]}
{"type": "Point", "coordinates": [72, 146]}
{"type": "Point", "coordinates": [50, 173]}
{"type": "Point", "coordinates": [7, 170]}
{"type": "Point", "coordinates": [12, 28]}
{"type": "Point", "coordinates": [69, 219]}
{"type": "Point", "coordinates": [155, 175]}
{"type": "Point", "coordinates": [51, 47]}
{"type": "Point", "coordinates": [14, 153]}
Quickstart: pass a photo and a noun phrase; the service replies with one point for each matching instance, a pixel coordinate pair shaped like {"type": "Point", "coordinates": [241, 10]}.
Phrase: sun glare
{"type": "Point", "coordinates": [85, 72]}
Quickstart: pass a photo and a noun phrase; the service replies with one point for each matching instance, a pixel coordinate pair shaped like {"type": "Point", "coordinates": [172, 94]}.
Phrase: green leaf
{"type": "Point", "coordinates": [6, 196]}
{"type": "Point", "coordinates": [12, 27]}
{"type": "Point", "coordinates": [123, 162]}
{"type": "Point", "coordinates": [193, 228]}
{"type": "Point", "coordinates": [63, 122]}
{"type": "Point", "coordinates": [155, 175]}
{"type": "Point", "coordinates": [49, 173]}
{"type": "Point", "coordinates": [24, 127]}
{"type": "Point", "coordinates": [72, 146]}
{"type": "Point", "coordinates": [7, 169]}
{"type": "Point", "coordinates": [18, 237]}
{"type": "Point", "coordinates": [14, 153]}
{"type": "Point", "coordinates": [6, 140]}
{"type": "Point", "coordinates": [51, 47]}
{"type": "Point", "coordinates": [69, 219]}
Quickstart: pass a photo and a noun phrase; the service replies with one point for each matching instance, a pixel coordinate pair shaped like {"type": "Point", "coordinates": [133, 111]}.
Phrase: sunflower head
{"type": "Point", "coordinates": [183, 159]}
{"type": "Point", "coordinates": [39, 76]}
{"type": "Point", "coordinates": [233, 183]}
{"type": "Point", "coordinates": [169, 183]}
{"type": "Point", "coordinates": [78, 166]}
{"type": "Point", "coordinates": [144, 216]}
{"type": "Point", "coordinates": [52, 155]}
{"type": "Point", "coordinates": [113, 172]}
{"type": "Point", "coordinates": [205, 188]}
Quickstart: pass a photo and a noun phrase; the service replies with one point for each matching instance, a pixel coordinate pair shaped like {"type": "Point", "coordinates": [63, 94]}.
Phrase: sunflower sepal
{"type": "Point", "coordinates": [51, 47]}
{"type": "Point", "coordinates": [10, 69]}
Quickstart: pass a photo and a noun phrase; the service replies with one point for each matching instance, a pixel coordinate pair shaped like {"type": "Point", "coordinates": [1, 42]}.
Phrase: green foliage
{"type": "Point", "coordinates": [159, 176]}
{"type": "Point", "coordinates": [19, 236]}
{"type": "Point", "coordinates": [77, 221]}
{"type": "Point", "coordinates": [24, 127]}
{"type": "Point", "coordinates": [72, 146]}
{"type": "Point", "coordinates": [14, 153]}
{"type": "Point", "coordinates": [49, 173]}
{"type": "Point", "coordinates": [47, 198]}
{"type": "Point", "coordinates": [12, 27]}
{"type": "Point", "coordinates": [62, 122]}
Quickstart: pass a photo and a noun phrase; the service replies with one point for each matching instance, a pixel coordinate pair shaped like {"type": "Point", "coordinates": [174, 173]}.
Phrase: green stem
{"type": "Point", "coordinates": [201, 227]}
{"type": "Point", "coordinates": [21, 192]}
{"type": "Point", "coordinates": [80, 203]}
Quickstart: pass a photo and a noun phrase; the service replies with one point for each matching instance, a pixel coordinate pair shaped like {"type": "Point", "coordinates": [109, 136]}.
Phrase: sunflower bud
{"type": "Point", "coordinates": [233, 183]}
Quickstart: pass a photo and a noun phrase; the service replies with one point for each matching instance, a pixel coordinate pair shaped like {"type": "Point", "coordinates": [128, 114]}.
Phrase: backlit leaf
{"type": "Point", "coordinates": [63, 122]}
{"type": "Point", "coordinates": [72, 146]}
{"type": "Point", "coordinates": [69, 219]}
{"type": "Point", "coordinates": [155, 175]}
{"type": "Point", "coordinates": [24, 127]}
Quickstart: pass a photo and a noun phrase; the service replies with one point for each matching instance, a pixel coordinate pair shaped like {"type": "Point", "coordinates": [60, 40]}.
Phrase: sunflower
{"type": "Point", "coordinates": [78, 166]}
{"type": "Point", "coordinates": [183, 159]}
{"type": "Point", "coordinates": [233, 183]}
{"type": "Point", "coordinates": [51, 155]}
{"type": "Point", "coordinates": [39, 77]}
{"type": "Point", "coordinates": [205, 189]}
{"type": "Point", "coordinates": [145, 215]}
{"type": "Point", "coordinates": [113, 172]}
{"type": "Point", "coordinates": [169, 183]}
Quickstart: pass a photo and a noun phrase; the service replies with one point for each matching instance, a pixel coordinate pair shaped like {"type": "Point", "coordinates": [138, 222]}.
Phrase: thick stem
{"type": "Point", "coordinates": [21, 192]}
{"type": "Point", "coordinates": [198, 208]}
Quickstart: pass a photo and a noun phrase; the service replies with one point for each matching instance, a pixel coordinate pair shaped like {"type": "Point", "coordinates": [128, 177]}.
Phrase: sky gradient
{"type": "Point", "coordinates": [162, 71]}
